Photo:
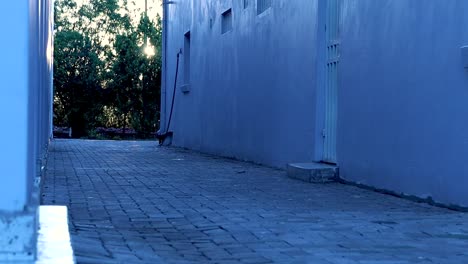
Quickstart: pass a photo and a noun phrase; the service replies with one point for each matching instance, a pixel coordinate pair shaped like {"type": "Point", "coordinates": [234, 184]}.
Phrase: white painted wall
{"type": "Point", "coordinates": [25, 120]}
{"type": "Point", "coordinates": [14, 104]}
{"type": "Point", "coordinates": [253, 89]}
{"type": "Point", "coordinates": [256, 93]}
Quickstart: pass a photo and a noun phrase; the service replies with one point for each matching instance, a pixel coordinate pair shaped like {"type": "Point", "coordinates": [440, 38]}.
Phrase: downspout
{"type": "Point", "coordinates": [162, 122]}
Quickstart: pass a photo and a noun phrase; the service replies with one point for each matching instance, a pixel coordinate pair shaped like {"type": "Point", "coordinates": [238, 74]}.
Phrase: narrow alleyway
{"type": "Point", "coordinates": [134, 202]}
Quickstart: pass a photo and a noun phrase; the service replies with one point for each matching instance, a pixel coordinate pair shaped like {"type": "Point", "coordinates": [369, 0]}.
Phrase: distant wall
{"type": "Point", "coordinates": [252, 89]}
{"type": "Point", "coordinates": [403, 97]}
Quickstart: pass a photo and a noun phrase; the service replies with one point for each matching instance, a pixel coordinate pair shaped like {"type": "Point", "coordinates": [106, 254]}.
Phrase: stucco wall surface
{"type": "Point", "coordinates": [12, 101]}
{"type": "Point", "coordinates": [403, 97]}
{"type": "Point", "coordinates": [25, 121]}
{"type": "Point", "coordinates": [256, 92]}
{"type": "Point", "coordinates": [252, 89]}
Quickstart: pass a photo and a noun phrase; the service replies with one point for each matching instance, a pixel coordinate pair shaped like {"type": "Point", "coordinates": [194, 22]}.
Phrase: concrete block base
{"type": "Point", "coordinates": [313, 172]}
{"type": "Point", "coordinates": [19, 241]}
{"type": "Point", "coordinates": [18, 237]}
{"type": "Point", "coordinates": [53, 242]}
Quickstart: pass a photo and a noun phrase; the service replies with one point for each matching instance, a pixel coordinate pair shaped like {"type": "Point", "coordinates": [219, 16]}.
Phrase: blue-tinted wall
{"type": "Point", "coordinates": [256, 93]}
{"type": "Point", "coordinates": [252, 89]}
{"type": "Point", "coordinates": [25, 122]}
{"type": "Point", "coordinates": [403, 97]}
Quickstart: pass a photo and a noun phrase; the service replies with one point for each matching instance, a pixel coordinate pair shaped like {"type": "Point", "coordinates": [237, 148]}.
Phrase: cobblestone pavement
{"type": "Point", "coordinates": [134, 202]}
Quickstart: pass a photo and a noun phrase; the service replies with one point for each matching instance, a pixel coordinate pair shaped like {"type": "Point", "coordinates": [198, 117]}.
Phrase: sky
{"type": "Point", "coordinates": [154, 6]}
{"type": "Point", "coordinates": [137, 7]}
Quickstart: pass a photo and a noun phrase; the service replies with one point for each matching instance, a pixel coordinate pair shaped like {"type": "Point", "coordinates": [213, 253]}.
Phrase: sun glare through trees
{"type": "Point", "coordinates": [107, 67]}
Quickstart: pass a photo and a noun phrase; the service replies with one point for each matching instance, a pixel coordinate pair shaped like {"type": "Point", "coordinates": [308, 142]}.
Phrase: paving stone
{"type": "Point", "coordinates": [135, 202]}
{"type": "Point", "coordinates": [93, 260]}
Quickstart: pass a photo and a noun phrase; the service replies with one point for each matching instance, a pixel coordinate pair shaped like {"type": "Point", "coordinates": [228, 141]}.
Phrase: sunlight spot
{"type": "Point", "coordinates": [149, 51]}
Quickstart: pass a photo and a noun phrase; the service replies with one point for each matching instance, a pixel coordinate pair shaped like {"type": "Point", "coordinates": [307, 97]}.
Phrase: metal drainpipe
{"type": "Point", "coordinates": [162, 122]}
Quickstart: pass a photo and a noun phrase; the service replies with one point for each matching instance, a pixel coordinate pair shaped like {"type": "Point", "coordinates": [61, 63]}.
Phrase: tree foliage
{"type": "Point", "coordinates": [102, 75]}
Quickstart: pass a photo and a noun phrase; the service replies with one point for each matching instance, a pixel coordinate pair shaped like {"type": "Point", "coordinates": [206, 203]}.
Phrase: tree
{"type": "Point", "coordinates": [76, 80]}
{"type": "Point", "coordinates": [147, 114]}
{"type": "Point", "coordinates": [102, 76]}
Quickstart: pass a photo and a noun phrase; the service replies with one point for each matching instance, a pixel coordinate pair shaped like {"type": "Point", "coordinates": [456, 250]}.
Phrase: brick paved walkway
{"type": "Point", "coordinates": [133, 202]}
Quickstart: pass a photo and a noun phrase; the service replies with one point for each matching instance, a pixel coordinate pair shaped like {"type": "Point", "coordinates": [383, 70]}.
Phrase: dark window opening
{"type": "Point", "coordinates": [187, 57]}
{"type": "Point", "coordinates": [262, 6]}
{"type": "Point", "coordinates": [226, 21]}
